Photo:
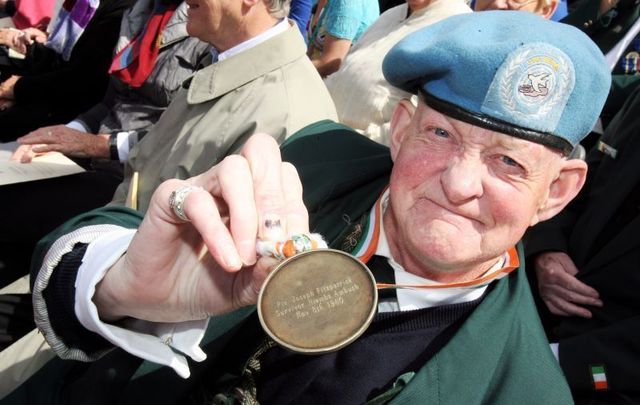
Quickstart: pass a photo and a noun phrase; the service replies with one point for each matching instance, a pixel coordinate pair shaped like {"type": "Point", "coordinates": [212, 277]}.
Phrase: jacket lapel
{"type": "Point", "coordinates": [616, 178]}
{"type": "Point", "coordinates": [622, 243]}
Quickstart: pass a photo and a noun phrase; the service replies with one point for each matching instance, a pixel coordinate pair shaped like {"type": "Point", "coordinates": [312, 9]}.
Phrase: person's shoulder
{"type": "Point", "coordinates": [328, 139]}
{"type": "Point", "coordinates": [585, 16]}
{"type": "Point", "coordinates": [332, 132]}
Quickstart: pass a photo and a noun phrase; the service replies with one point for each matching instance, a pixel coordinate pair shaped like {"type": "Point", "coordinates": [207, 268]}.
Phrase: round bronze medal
{"type": "Point", "coordinates": [317, 301]}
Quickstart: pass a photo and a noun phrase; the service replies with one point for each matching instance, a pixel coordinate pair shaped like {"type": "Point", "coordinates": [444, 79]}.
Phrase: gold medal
{"type": "Point", "coordinates": [317, 301]}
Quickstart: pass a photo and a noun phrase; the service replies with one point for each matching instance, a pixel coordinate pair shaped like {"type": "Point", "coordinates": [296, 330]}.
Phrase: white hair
{"type": "Point", "coordinates": [278, 8]}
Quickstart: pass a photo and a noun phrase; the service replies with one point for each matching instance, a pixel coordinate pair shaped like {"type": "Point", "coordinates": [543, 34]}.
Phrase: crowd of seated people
{"type": "Point", "coordinates": [66, 75]}
{"type": "Point", "coordinates": [143, 81]}
{"type": "Point", "coordinates": [139, 92]}
{"type": "Point", "coordinates": [209, 116]}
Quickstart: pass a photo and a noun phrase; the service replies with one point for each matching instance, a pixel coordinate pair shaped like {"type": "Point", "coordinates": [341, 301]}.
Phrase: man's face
{"type": "Point", "coordinates": [524, 5]}
{"type": "Point", "coordinates": [415, 5]}
{"type": "Point", "coordinates": [213, 21]}
{"type": "Point", "coordinates": [461, 195]}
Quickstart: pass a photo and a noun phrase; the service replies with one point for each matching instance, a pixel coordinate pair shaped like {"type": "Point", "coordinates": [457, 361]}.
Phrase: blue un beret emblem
{"type": "Point", "coordinates": [531, 88]}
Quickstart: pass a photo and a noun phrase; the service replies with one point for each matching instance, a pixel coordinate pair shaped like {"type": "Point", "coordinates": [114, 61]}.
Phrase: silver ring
{"type": "Point", "coordinates": [176, 201]}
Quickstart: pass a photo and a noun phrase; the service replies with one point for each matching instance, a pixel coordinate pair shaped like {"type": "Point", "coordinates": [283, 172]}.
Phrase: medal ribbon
{"type": "Point", "coordinates": [368, 245]}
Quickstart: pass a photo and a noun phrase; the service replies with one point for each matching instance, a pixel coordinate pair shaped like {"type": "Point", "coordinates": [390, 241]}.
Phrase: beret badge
{"type": "Point", "coordinates": [531, 87]}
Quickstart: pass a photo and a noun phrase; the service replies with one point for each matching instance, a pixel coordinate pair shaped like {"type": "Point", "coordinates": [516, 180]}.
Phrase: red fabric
{"type": "Point", "coordinates": [33, 13]}
{"type": "Point", "coordinates": [143, 50]}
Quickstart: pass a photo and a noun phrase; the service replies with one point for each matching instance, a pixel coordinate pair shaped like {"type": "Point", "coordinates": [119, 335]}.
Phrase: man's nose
{"type": "Point", "coordinates": [462, 179]}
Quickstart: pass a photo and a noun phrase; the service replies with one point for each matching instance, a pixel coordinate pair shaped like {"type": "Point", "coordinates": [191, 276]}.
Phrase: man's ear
{"type": "Point", "coordinates": [400, 122]}
{"type": "Point", "coordinates": [248, 5]}
{"type": "Point", "coordinates": [571, 178]}
{"type": "Point", "coordinates": [547, 10]}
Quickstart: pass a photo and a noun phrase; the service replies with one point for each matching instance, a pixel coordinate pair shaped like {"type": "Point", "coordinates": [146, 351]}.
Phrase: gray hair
{"type": "Point", "coordinates": [278, 8]}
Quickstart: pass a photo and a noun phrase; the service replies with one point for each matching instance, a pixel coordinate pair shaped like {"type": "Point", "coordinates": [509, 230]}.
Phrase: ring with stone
{"type": "Point", "coordinates": [296, 244]}
{"type": "Point", "coordinates": [176, 201]}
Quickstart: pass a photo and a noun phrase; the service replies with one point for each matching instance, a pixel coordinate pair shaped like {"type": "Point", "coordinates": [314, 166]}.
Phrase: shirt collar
{"type": "Point", "coordinates": [250, 43]}
{"type": "Point", "coordinates": [219, 78]}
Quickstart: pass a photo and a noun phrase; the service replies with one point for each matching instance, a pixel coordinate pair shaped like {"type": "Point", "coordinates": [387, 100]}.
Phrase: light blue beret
{"type": "Point", "coordinates": [509, 71]}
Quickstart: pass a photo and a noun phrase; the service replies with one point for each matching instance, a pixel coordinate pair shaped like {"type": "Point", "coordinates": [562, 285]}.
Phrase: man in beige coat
{"type": "Point", "coordinates": [260, 80]}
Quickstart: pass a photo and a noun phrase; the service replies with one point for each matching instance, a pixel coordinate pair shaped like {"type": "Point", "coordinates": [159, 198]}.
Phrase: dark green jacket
{"type": "Point", "coordinates": [499, 355]}
{"type": "Point", "coordinates": [611, 266]}
{"type": "Point", "coordinates": [606, 31]}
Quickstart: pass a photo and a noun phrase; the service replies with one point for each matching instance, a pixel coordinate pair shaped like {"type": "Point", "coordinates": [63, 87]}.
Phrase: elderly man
{"type": "Point", "coordinates": [478, 161]}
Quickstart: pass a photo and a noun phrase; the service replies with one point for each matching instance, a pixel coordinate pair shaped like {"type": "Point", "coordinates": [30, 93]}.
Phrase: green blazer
{"type": "Point", "coordinates": [499, 355]}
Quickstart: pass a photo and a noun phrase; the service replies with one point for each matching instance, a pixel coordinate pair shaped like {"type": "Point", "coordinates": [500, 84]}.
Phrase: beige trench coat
{"type": "Point", "coordinates": [272, 88]}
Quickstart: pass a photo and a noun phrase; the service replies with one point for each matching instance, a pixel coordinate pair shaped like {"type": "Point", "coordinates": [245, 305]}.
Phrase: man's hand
{"type": "Point", "coordinates": [34, 34]}
{"type": "Point", "coordinates": [167, 276]}
{"type": "Point", "coordinates": [5, 104]}
{"type": "Point", "coordinates": [560, 290]}
{"type": "Point", "coordinates": [21, 42]}
{"type": "Point", "coordinates": [6, 87]}
{"type": "Point", "coordinates": [24, 154]}
{"type": "Point", "coordinates": [60, 138]}
{"type": "Point", "coordinates": [8, 36]}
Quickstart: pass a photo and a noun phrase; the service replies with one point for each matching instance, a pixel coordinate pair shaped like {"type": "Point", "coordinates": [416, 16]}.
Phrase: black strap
{"type": "Point", "coordinates": [383, 273]}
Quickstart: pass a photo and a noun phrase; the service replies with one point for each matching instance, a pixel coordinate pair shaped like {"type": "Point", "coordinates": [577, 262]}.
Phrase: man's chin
{"type": "Point", "coordinates": [443, 254]}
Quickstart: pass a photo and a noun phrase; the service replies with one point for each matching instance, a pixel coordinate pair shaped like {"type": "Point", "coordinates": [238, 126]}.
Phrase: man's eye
{"type": "Point", "coordinates": [508, 161]}
{"type": "Point", "coordinates": [441, 132]}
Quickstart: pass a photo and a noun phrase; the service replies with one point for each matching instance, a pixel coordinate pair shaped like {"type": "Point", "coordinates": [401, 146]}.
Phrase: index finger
{"type": "Point", "coordinates": [22, 154]}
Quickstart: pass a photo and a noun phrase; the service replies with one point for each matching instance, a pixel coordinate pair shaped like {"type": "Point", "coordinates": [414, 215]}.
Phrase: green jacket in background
{"type": "Point", "coordinates": [498, 356]}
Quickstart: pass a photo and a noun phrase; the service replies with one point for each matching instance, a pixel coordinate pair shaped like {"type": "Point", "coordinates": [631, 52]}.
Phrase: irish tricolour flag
{"type": "Point", "coordinates": [599, 377]}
